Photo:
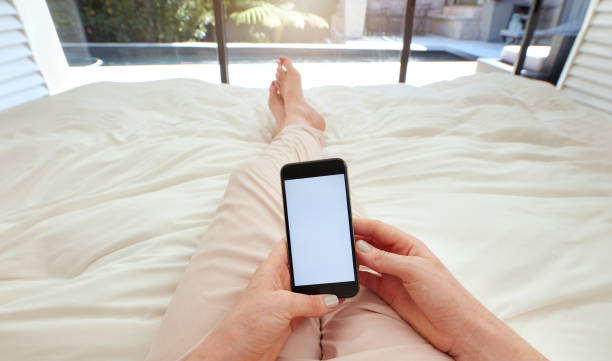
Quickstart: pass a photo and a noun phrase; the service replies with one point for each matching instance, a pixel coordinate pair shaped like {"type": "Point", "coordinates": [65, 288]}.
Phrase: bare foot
{"type": "Point", "coordinates": [276, 105]}
{"type": "Point", "coordinates": [297, 111]}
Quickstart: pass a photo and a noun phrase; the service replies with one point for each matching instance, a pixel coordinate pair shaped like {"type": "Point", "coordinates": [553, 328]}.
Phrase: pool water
{"type": "Point", "coordinates": [143, 54]}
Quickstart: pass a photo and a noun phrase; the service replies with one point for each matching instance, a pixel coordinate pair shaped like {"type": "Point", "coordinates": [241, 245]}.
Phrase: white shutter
{"type": "Point", "coordinates": [20, 78]}
{"type": "Point", "coordinates": [587, 76]}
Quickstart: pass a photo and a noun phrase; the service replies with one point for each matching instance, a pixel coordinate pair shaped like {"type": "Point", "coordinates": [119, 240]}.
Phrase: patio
{"type": "Point", "coordinates": [376, 65]}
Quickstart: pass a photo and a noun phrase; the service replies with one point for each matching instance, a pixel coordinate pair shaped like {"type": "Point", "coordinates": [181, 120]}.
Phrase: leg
{"type": "Point", "coordinates": [248, 223]}
{"type": "Point", "coordinates": [367, 328]}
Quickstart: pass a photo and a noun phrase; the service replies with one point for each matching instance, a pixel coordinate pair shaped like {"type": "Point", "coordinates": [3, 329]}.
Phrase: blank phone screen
{"type": "Point", "coordinates": [319, 230]}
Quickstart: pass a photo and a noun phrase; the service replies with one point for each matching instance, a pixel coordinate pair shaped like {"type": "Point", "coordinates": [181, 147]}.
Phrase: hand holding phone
{"type": "Point", "coordinates": [319, 228]}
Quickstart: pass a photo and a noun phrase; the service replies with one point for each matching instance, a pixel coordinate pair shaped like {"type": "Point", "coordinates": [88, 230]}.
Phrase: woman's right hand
{"type": "Point", "coordinates": [415, 283]}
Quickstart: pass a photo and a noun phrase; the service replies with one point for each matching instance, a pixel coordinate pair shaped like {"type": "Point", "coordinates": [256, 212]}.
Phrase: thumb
{"type": "Point", "coordinates": [311, 305]}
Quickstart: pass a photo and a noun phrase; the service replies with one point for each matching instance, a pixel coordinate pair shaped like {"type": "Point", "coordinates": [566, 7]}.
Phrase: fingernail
{"type": "Point", "coordinates": [331, 301]}
{"type": "Point", "coordinates": [363, 246]}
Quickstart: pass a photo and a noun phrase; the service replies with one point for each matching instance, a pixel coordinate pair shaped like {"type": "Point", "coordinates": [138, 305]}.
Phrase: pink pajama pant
{"type": "Point", "coordinates": [248, 223]}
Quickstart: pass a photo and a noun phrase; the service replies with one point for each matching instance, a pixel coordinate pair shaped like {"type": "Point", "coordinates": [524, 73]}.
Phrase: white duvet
{"type": "Point", "coordinates": [106, 189]}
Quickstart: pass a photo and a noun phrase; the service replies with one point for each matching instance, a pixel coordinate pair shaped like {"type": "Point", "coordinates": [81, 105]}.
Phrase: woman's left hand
{"type": "Point", "coordinates": [259, 324]}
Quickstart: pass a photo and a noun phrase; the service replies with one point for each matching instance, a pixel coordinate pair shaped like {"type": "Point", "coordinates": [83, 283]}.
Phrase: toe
{"type": "Point", "coordinates": [286, 62]}
{"type": "Point", "coordinates": [275, 96]}
{"type": "Point", "coordinates": [272, 89]}
{"type": "Point", "coordinates": [291, 70]}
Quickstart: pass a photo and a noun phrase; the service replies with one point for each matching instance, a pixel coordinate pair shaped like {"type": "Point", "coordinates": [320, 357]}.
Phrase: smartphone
{"type": "Point", "coordinates": [319, 228]}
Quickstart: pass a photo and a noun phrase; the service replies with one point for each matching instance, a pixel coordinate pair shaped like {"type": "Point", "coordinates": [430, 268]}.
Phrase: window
{"type": "Point", "coordinates": [336, 42]}
{"type": "Point", "coordinates": [137, 40]}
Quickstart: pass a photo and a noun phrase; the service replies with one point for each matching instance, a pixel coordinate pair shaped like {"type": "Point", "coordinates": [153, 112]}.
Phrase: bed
{"type": "Point", "coordinates": [107, 188]}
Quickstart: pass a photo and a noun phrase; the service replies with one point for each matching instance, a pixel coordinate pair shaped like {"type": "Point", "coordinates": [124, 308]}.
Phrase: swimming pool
{"type": "Point", "coordinates": [109, 54]}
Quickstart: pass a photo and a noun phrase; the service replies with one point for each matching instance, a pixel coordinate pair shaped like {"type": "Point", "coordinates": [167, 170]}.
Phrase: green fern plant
{"type": "Point", "coordinates": [275, 16]}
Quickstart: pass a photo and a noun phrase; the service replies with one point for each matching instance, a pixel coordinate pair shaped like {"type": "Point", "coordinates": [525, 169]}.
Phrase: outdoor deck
{"type": "Point", "coordinates": [369, 61]}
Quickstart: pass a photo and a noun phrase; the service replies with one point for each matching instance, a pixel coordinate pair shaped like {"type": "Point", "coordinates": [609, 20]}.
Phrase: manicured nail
{"type": "Point", "coordinates": [363, 246]}
{"type": "Point", "coordinates": [331, 301]}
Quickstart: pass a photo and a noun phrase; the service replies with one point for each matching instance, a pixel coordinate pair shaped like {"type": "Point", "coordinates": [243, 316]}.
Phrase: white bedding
{"type": "Point", "coordinates": [105, 190]}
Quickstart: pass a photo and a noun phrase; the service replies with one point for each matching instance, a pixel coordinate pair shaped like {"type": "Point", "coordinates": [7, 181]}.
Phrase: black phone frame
{"type": "Point", "coordinates": [317, 168]}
